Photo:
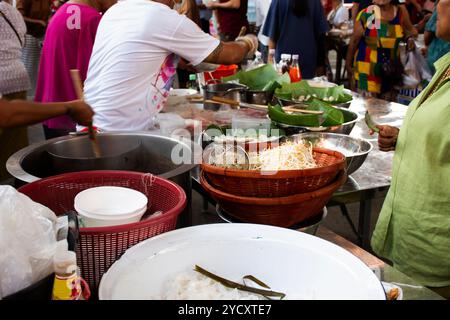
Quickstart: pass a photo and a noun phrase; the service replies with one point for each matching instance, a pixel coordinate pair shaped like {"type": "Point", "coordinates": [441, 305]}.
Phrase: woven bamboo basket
{"type": "Point", "coordinates": [280, 211]}
{"type": "Point", "coordinates": [254, 183]}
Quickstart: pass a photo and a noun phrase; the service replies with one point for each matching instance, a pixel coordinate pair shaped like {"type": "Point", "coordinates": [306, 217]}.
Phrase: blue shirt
{"type": "Point", "coordinates": [296, 35]}
{"type": "Point", "coordinates": [438, 47]}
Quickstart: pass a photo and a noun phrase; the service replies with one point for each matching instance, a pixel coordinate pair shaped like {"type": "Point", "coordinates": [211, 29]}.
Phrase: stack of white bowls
{"type": "Point", "coordinates": [110, 206]}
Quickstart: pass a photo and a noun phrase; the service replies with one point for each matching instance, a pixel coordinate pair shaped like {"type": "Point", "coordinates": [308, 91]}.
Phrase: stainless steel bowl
{"type": "Point", "coordinates": [231, 91]}
{"type": "Point", "coordinates": [354, 149]}
{"type": "Point", "coordinates": [350, 120]}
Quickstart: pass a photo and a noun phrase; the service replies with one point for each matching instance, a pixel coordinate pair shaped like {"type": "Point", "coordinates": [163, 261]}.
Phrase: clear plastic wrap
{"type": "Point", "coordinates": [27, 241]}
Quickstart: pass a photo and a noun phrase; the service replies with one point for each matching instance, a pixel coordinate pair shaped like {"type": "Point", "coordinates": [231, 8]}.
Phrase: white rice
{"type": "Point", "coordinates": [195, 286]}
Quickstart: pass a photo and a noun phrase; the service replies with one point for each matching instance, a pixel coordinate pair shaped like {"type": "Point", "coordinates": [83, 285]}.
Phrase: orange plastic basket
{"type": "Point", "coordinates": [253, 183]}
{"type": "Point", "coordinates": [280, 211]}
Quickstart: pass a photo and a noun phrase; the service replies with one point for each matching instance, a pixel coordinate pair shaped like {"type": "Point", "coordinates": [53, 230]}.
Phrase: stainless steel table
{"type": "Point", "coordinates": [372, 179]}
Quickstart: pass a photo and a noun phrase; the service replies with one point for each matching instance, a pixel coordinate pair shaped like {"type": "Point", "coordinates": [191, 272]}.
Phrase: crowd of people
{"type": "Point", "coordinates": [128, 52]}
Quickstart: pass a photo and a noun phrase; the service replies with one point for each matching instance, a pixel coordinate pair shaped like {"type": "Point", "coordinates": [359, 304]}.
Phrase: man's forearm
{"type": "Point", "coordinates": [228, 53]}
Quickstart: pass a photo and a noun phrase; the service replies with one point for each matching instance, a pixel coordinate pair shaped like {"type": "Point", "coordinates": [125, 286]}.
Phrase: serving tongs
{"type": "Point", "coordinates": [237, 104]}
{"type": "Point", "coordinates": [77, 84]}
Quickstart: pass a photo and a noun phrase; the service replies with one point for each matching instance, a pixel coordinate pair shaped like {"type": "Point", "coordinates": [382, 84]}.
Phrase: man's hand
{"type": "Point", "coordinates": [387, 137]}
{"type": "Point", "coordinates": [80, 112]}
{"type": "Point", "coordinates": [252, 42]}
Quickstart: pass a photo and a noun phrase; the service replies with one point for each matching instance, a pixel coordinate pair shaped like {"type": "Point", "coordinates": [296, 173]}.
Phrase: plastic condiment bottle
{"type": "Point", "coordinates": [272, 59]}
{"type": "Point", "coordinates": [67, 285]}
{"type": "Point", "coordinates": [294, 70]}
{"type": "Point", "coordinates": [192, 83]}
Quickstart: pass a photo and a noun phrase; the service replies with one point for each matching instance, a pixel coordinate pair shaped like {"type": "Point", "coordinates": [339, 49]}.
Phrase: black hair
{"type": "Point", "coordinates": [300, 7]}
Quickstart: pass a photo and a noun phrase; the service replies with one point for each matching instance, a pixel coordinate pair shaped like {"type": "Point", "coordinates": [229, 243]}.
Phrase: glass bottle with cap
{"type": "Point", "coordinates": [285, 63]}
{"type": "Point", "coordinates": [294, 70]}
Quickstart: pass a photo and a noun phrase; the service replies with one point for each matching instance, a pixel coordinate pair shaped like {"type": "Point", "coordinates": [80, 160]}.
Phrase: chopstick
{"type": "Point", "coordinates": [243, 31]}
{"type": "Point", "coordinates": [78, 86]}
{"type": "Point", "coordinates": [234, 103]}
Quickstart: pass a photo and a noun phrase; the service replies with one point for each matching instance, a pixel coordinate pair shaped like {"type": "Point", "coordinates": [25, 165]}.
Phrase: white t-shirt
{"type": "Point", "coordinates": [338, 16]}
{"type": "Point", "coordinates": [134, 60]}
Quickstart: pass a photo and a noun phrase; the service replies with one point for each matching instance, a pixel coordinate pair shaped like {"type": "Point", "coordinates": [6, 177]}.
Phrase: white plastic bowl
{"type": "Point", "coordinates": [110, 206]}
{"type": "Point", "coordinates": [292, 262]}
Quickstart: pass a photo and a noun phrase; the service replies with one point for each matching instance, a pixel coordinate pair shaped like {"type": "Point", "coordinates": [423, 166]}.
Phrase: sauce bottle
{"type": "Point", "coordinates": [294, 70]}
{"type": "Point", "coordinates": [67, 285]}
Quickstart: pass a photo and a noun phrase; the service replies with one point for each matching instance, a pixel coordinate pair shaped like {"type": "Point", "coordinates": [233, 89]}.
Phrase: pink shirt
{"type": "Point", "coordinates": [68, 45]}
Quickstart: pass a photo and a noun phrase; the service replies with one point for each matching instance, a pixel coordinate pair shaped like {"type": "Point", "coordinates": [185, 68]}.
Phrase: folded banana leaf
{"type": "Point", "coordinates": [264, 78]}
{"type": "Point", "coordinates": [303, 91]}
{"type": "Point", "coordinates": [331, 116]}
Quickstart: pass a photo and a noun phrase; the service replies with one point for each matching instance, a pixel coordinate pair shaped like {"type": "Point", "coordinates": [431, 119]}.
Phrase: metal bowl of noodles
{"type": "Point", "coordinates": [354, 149]}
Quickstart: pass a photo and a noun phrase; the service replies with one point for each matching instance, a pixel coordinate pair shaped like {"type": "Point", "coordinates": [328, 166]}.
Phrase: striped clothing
{"type": "Point", "coordinates": [376, 44]}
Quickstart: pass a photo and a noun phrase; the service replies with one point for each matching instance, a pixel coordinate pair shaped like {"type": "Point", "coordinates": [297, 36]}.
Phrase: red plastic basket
{"type": "Point", "coordinates": [99, 248]}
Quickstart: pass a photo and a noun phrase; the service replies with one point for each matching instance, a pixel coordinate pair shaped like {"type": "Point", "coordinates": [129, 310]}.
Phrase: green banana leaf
{"type": "Point", "coordinates": [277, 114]}
{"type": "Point", "coordinates": [264, 78]}
{"type": "Point", "coordinates": [331, 116]}
{"type": "Point", "coordinates": [293, 91]}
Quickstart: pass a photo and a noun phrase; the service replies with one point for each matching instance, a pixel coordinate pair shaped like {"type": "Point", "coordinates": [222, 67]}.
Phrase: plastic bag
{"type": "Point", "coordinates": [27, 241]}
{"type": "Point", "coordinates": [416, 69]}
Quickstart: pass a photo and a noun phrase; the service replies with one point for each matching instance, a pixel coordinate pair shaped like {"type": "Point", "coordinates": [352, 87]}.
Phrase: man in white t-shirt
{"type": "Point", "coordinates": [135, 57]}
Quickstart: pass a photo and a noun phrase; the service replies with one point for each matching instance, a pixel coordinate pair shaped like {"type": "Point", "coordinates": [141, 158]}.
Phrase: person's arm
{"type": "Point", "coordinates": [358, 33]}
{"type": "Point", "coordinates": [272, 45]}
{"type": "Point", "coordinates": [416, 5]}
{"type": "Point", "coordinates": [428, 37]}
{"type": "Point", "coordinates": [189, 42]}
{"type": "Point", "coordinates": [22, 6]}
{"type": "Point", "coordinates": [233, 52]}
{"type": "Point", "coordinates": [407, 25]}
{"type": "Point", "coordinates": [355, 8]}
{"type": "Point", "coordinates": [230, 4]}
{"type": "Point", "coordinates": [20, 113]}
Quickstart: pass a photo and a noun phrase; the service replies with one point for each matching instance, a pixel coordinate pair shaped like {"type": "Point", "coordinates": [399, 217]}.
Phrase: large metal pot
{"type": "Point", "coordinates": [78, 155]}
{"type": "Point", "coordinates": [231, 91]}
{"type": "Point", "coordinates": [153, 155]}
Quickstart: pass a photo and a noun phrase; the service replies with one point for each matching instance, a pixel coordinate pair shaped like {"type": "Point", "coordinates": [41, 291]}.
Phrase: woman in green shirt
{"type": "Point", "coordinates": [413, 230]}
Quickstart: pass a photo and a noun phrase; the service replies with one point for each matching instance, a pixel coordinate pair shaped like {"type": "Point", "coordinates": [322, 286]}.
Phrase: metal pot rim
{"type": "Point", "coordinates": [13, 164]}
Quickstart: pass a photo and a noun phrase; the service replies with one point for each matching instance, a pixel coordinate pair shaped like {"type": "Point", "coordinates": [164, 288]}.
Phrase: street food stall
{"type": "Point", "coordinates": [311, 150]}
